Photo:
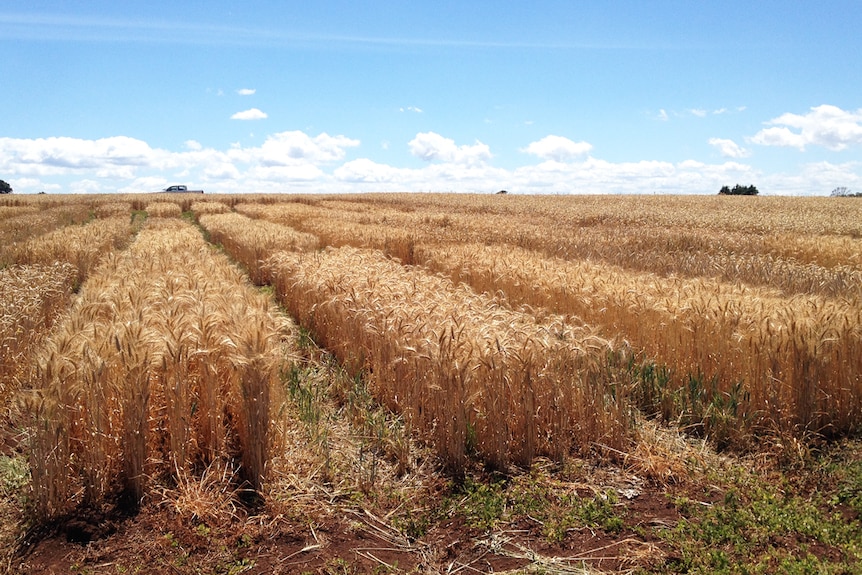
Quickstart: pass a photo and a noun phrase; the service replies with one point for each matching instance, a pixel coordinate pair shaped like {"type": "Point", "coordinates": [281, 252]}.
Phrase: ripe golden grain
{"type": "Point", "coordinates": [83, 246]}
{"type": "Point", "coordinates": [211, 207]}
{"type": "Point", "coordinates": [165, 363]}
{"type": "Point", "coordinates": [810, 351]}
{"type": "Point", "coordinates": [250, 242]}
{"type": "Point", "coordinates": [31, 299]}
{"type": "Point", "coordinates": [463, 369]}
{"type": "Point", "coordinates": [164, 210]}
{"type": "Point", "coordinates": [688, 240]}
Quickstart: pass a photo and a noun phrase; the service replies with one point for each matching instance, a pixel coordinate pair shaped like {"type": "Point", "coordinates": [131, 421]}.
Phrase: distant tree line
{"type": "Point", "coordinates": [5, 188]}
{"type": "Point", "coordinates": [843, 192]}
{"type": "Point", "coordinates": [738, 190]}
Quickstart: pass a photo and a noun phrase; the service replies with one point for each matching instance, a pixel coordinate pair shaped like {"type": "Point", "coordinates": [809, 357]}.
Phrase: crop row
{"type": "Point", "coordinates": [31, 298]}
{"type": "Point", "coordinates": [165, 363]}
{"type": "Point", "coordinates": [792, 363]}
{"type": "Point", "coordinates": [786, 362]}
{"type": "Point", "coordinates": [461, 369]}
{"type": "Point", "coordinates": [826, 264]}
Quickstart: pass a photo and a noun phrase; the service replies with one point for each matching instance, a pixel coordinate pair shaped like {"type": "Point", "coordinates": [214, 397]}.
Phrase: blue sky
{"type": "Point", "coordinates": [331, 96]}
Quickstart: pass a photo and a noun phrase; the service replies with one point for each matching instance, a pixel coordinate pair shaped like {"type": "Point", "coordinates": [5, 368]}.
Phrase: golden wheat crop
{"type": "Point", "coordinates": [799, 358]}
{"type": "Point", "coordinates": [108, 209]}
{"type": "Point", "coordinates": [462, 369]}
{"type": "Point", "coordinates": [33, 221]}
{"type": "Point", "coordinates": [334, 230]}
{"type": "Point", "coordinates": [166, 362]}
{"type": "Point", "coordinates": [12, 211]}
{"type": "Point", "coordinates": [250, 242]}
{"type": "Point", "coordinates": [163, 209]}
{"type": "Point", "coordinates": [31, 298]}
{"type": "Point", "coordinates": [82, 246]}
{"type": "Point", "coordinates": [693, 246]}
{"type": "Point", "coordinates": [211, 207]}
{"type": "Point", "coordinates": [288, 213]}
{"type": "Point", "coordinates": [753, 302]}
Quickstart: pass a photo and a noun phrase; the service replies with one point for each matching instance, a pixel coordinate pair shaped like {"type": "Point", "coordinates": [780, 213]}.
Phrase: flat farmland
{"type": "Point", "coordinates": [431, 383]}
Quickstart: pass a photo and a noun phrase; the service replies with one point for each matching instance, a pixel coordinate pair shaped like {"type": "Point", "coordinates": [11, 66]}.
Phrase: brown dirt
{"type": "Point", "coordinates": [158, 540]}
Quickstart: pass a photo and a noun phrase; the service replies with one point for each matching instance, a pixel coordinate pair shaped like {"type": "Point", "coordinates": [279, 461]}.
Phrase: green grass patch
{"type": "Point", "coordinates": [761, 527]}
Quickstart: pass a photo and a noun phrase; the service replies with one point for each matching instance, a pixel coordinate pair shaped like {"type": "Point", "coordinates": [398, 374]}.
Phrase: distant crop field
{"type": "Point", "coordinates": [500, 328]}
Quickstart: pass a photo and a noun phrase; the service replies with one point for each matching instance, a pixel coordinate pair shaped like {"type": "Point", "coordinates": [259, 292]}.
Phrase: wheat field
{"type": "Point", "coordinates": [501, 329]}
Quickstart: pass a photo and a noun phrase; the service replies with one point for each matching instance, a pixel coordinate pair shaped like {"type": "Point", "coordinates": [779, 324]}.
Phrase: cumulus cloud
{"type": "Point", "coordinates": [295, 147]}
{"type": "Point", "coordinates": [246, 91]}
{"type": "Point", "coordinates": [42, 156]}
{"type": "Point", "coordinates": [596, 176]}
{"type": "Point", "coordinates": [364, 170]}
{"type": "Point", "coordinates": [431, 146]}
{"type": "Point", "coordinates": [294, 161]}
{"type": "Point", "coordinates": [251, 114]}
{"type": "Point", "coordinates": [125, 164]}
{"type": "Point", "coordinates": [558, 149]}
{"type": "Point", "coordinates": [826, 126]}
{"type": "Point", "coordinates": [728, 148]}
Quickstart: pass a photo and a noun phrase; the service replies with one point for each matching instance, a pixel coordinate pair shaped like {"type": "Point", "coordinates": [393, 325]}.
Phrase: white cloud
{"type": "Point", "coordinates": [411, 109]}
{"type": "Point", "coordinates": [300, 172]}
{"type": "Point", "coordinates": [431, 146]}
{"type": "Point", "coordinates": [729, 148]}
{"type": "Point", "coordinates": [558, 149]}
{"type": "Point", "coordinates": [595, 176]}
{"type": "Point", "coordinates": [664, 115]}
{"type": "Point", "coordinates": [124, 164]}
{"type": "Point", "coordinates": [43, 156]}
{"type": "Point", "coordinates": [85, 186]}
{"type": "Point", "coordinates": [295, 161]}
{"type": "Point", "coordinates": [251, 114]}
{"type": "Point", "coordinates": [246, 91]}
{"type": "Point", "coordinates": [826, 126]}
{"type": "Point", "coordinates": [222, 171]}
{"type": "Point", "coordinates": [295, 147]}
{"type": "Point", "coordinates": [364, 170]}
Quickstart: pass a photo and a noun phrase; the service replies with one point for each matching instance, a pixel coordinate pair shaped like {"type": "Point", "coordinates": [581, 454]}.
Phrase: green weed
{"type": "Point", "coordinates": [482, 504]}
{"type": "Point", "coordinates": [756, 528]}
{"type": "Point", "coordinates": [14, 475]}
